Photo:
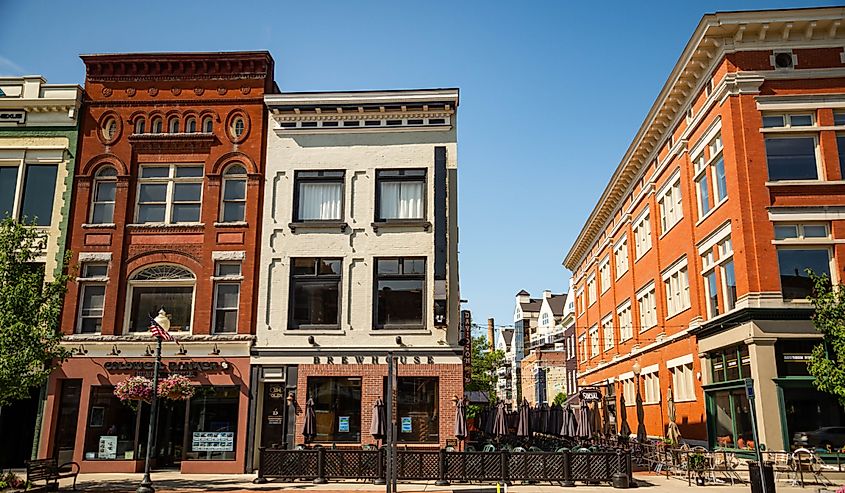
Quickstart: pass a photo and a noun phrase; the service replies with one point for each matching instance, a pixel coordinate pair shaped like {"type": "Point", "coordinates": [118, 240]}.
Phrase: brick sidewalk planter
{"type": "Point", "coordinates": [320, 465]}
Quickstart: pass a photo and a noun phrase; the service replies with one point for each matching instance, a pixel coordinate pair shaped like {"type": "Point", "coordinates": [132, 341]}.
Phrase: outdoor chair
{"type": "Point", "coordinates": [806, 461]}
{"type": "Point", "coordinates": [534, 448]}
{"type": "Point", "coordinates": [489, 447]}
{"type": "Point", "coordinates": [727, 463]}
{"type": "Point", "coordinates": [782, 465]}
{"type": "Point", "coordinates": [518, 449]}
{"type": "Point", "coordinates": [469, 448]}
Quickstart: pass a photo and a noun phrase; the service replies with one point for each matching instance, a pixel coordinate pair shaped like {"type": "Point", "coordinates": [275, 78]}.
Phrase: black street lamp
{"type": "Point", "coordinates": [146, 485]}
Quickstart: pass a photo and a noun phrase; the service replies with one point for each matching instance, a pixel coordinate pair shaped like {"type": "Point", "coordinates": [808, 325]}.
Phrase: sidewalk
{"type": "Point", "coordinates": [176, 482]}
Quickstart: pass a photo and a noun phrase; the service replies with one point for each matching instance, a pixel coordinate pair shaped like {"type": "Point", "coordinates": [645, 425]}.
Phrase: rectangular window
{"type": "Point", "coordinates": [400, 292]}
{"type": "Point", "coordinates": [400, 194]}
{"type": "Point", "coordinates": [102, 205]}
{"type": "Point", "coordinates": [594, 341]}
{"type": "Point", "coordinates": [418, 401]}
{"type": "Point", "coordinates": [591, 290]}
{"type": "Point", "coordinates": [629, 391]}
{"type": "Point", "coordinates": [721, 181]}
{"type": "Point", "coordinates": [8, 185]}
{"type": "Point", "coordinates": [794, 263]}
{"type": "Point", "coordinates": [671, 207]}
{"type": "Point", "coordinates": [337, 408]}
{"type": "Point", "coordinates": [642, 235]}
{"type": "Point", "coordinates": [212, 411]}
{"type": "Point", "coordinates": [676, 283]}
{"type": "Point", "coordinates": [91, 308]}
{"type": "Point", "coordinates": [582, 347]}
{"type": "Point", "coordinates": [791, 158]}
{"type": "Point", "coordinates": [787, 120]}
{"type": "Point", "coordinates": [607, 331]}
{"type": "Point", "coordinates": [234, 195]}
{"type": "Point", "coordinates": [227, 293]}
{"type": "Point", "coordinates": [170, 194]}
{"type": "Point", "coordinates": [729, 280]}
{"type": "Point", "coordinates": [702, 186]}
{"type": "Point", "coordinates": [620, 253]}
{"type": "Point", "coordinates": [67, 421]}
{"type": "Point", "coordinates": [682, 382]}
{"type": "Point", "coordinates": [148, 300]}
{"type": "Point", "coordinates": [648, 308]}
{"type": "Point", "coordinates": [315, 293]}
{"type": "Point", "coordinates": [651, 388]}
{"type": "Point", "coordinates": [38, 191]}
{"type": "Point", "coordinates": [626, 331]}
{"type": "Point", "coordinates": [318, 196]}
{"type": "Point", "coordinates": [109, 422]}
{"type": "Point", "coordinates": [604, 273]}
{"type": "Point", "coordinates": [712, 289]}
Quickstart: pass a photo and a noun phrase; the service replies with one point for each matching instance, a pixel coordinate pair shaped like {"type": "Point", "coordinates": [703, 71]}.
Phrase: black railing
{"type": "Point", "coordinates": [320, 465]}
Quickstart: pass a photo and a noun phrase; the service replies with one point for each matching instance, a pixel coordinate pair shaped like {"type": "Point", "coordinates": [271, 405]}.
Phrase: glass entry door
{"type": "Point", "coordinates": [170, 442]}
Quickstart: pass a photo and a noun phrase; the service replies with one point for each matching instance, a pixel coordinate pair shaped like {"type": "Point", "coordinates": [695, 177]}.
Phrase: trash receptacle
{"type": "Point", "coordinates": [757, 481]}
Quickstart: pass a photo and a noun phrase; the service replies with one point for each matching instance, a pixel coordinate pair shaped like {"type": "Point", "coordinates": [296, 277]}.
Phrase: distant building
{"type": "Point", "coordinates": [504, 383]}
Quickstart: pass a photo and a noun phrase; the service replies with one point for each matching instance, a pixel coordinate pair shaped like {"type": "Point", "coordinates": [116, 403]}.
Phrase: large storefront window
{"type": "Point", "coordinates": [417, 408]}
{"type": "Point", "coordinates": [731, 415]}
{"type": "Point", "coordinates": [111, 428]}
{"type": "Point", "coordinates": [730, 364]}
{"type": "Point", "coordinates": [213, 423]}
{"type": "Point", "coordinates": [813, 419]}
{"type": "Point", "coordinates": [337, 407]}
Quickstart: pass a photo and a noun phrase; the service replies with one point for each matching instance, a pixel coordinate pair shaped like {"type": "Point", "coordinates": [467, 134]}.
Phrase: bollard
{"type": "Point", "coordinates": [260, 479]}
{"type": "Point", "coordinates": [567, 469]}
{"type": "Point", "coordinates": [441, 469]}
{"type": "Point", "coordinates": [380, 467]}
{"type": "Point", "coordinates": [321, 463]}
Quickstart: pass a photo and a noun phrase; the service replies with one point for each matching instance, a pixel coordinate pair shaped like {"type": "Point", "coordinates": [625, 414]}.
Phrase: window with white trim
{"type": "Point", "coordinates": [620, 254]}
{"type": "Point", "coordinates": [676, 284]}
{"type": "Point", "coordinates": [710, 181]}
{"type": "Point", "coordinates": [582, 348]}
{"type": "Point", "coordinates": [798, 256]}
{"type": "Point", "coordinates": [594, 341]}
{"type": "Point", "coordinates": [102, 196]}
{"type": "Point", "coordinates": [227, 293]}
{"type": "Point", "coordinates": [642, 234]}
{"type": "Point", "coordinates": [647, 306]}
{"type": "Point", "coordinates": [166, 286]}
{"type": "Point", "coordinates": [591, 290]}
{"type": "Point", "coordinates": [651, 387]}
{"type": "Point", "coordinates": [629, 390]}
{"type": "Point", "coordinates": [169, 194]}
{"type": "Point", "coordinates": [626, 331]}
{"type": "Point", "coordinates": [28, 186]}
{"type": "Point", "coordinates": [607, 332]}
{"type": "Point", "coordinates": [671, 207]}
{"type": "Point", "coordinates": [719, 277]}
{"type": "Point", "coordinates": [92, 297]}
{"type": "Point", "coordinates": [683, 383]}
{"type": "Point", "coordinates": [791, 156]}
{"type": "Point", "coordinates": [604, 273]}
{"type": "Point", "coordinates": [579, 297]}
{"type": "Point", "coordinates": [233, 208]}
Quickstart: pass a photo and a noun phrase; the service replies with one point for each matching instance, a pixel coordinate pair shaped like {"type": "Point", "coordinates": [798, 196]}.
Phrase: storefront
{"type": "Point", "coordinates": [85, 422]}
{"type": "Point", "coordinates": [345, 387]}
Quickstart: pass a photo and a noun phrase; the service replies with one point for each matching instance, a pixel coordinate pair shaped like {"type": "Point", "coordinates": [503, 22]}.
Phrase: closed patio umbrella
{"type": "Point", "coordinates": [523, 427]}
{"type": "Point", "coordinates": [557, 419]}
{"type": "Point", "coordinates": [460, 420]}
{"type": "Point", "coordinates": [309, 427]}
{"type": "Point", "coordinates": [641, 433]}
{"type": "Point", "coordinates": [584, 418]}
{"type": "Point", "coordinates": [624, 429]}
{"type": "Point", "coordinates": [570, 424]}
{"type": "Point", "coordinates": [377, 424]}
{"type": "Point", "coordinates": [500, 426]}
{"type": "Point", "coordinates": [674, 433]}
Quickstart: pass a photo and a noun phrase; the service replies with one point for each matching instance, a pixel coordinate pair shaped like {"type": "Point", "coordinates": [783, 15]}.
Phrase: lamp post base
{"type": "Point", "coordinates": [146, 485]}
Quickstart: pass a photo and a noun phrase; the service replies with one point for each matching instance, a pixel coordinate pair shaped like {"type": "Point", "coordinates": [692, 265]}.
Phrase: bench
{"type": "Point", "coordinates": [49, 471]}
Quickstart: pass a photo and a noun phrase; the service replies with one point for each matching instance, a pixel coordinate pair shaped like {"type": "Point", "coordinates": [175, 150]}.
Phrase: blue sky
{"type": "Point", "coordinates": [551, 93]}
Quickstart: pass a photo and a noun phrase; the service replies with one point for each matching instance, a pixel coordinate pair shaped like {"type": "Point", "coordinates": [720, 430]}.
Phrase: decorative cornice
{"type": "Point", "coordinates": [178, 66]}
{"type": "Point", "coordinates": [376, 98]}
{"type": "Point", "coordinates": [191, 142]}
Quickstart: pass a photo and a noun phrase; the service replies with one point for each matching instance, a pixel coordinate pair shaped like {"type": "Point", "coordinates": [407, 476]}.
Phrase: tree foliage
{"type": "Point", "coordinates": [30, 311]}
{"type": "Point", "coordinates": [485, 364]}
{"type": "Point", "coordinates": [827, 363]}
{"type": "Point", "coordinates": [560, 398]}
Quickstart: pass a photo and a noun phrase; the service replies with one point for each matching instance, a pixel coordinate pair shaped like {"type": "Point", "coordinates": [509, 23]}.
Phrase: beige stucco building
{"type": "Point", "coordinates": [359, 257]}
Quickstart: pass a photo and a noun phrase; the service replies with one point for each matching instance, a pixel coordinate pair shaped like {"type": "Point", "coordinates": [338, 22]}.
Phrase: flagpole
{"type": "Point", "coordinates": [146, 485]}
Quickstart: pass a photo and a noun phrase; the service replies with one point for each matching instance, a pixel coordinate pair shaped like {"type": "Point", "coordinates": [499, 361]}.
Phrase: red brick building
{"type": "Point", "coordinates": [691, 268]}
{"type": "Point", "coordinates": [165, 213]}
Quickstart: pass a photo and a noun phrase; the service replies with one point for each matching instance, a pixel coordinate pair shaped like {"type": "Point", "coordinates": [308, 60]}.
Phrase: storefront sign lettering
{"type": "Point", "coordinates": [590, 394]}
{"type": "Point", "coordinates": [12, 116]}
{"type": "Point", "coordinates": [466, 334]}
{"type": "Point", "coordinates": [374, 360]}
{"type": "Point", "coordinates": [186, 368]}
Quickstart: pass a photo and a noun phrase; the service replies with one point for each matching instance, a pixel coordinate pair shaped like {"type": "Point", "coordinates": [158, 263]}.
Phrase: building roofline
{"type": "Point", "coordinates": [718, 27]}
{"type": "Point", "coordinates": [438, 95]}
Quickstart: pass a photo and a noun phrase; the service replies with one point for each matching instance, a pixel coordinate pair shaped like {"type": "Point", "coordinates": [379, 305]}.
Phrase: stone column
{"type": "Point", "coordinates": [763, 371]}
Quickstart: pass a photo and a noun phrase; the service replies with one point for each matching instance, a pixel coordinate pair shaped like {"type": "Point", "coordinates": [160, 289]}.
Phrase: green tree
{"type": "Point", "coordinates": [30, 311]}
{"type": "Point", "coordinates": [827, 363]}
{"type": "Point", "coordinates": [485, 364]}
{"type": "Point", "coordinates": [560, 398]}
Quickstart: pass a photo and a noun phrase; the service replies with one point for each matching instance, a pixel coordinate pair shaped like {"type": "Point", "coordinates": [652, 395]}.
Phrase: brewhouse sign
{"type": "Point", "coordinates": [186, 368]}
{"type": "Point", "coordinates": [374, 360]}
{"type": "Point", "coordinates": [466, 334]}
{"type": "Point", "coordinates": [12, 116]}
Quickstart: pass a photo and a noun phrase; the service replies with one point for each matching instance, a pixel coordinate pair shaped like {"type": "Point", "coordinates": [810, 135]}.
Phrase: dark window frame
{"type": "Point", "coordinates": [382, 175]}
{"type": "Point", "coordinates": [818, 170]}
{"type": "Point", "coordinates": [401, 276]}
{"type": "Point", "coordinates": [321, 176]}
{"type": "Point", "coordinates": [316, 277]}
{"type": "Point", "coordinates": [401, 402]}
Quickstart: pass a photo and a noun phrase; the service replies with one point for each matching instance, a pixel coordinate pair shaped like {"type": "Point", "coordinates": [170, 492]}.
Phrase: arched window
{"type": "Point", "coordinates": [173, 125]}
{"type": "Point", "coordinates": [207, 125]}
{"type": "Point", "coordinates": [157, 126]}
{"type": "Point", "coordinates": [238, 127]}
{"type": "Point", "coordinates": [165, 286]}
{"type": "Point", "coordinates": [234, 194]}
{"type": "Point", "coordinates": [191, 125]}
{"type": "Point", "coordinates": [102, 198]}
{"type": "Point", "coordinates": [109, 129]}
{"type": "Point", "coordinates": [139, 125]}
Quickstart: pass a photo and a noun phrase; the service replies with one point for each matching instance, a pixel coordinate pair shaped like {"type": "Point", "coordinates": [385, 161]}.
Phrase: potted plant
{"type": "Point", "coordinates": [10, 481]}
{"type": "Point", "coordinates": [134, 390]}
{"type": "Point", "coordinates": [176, 388]}
{"type": "Point", "coordinates": [697, 463]}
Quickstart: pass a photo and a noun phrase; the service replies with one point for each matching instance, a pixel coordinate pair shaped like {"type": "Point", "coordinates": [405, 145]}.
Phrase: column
{"type": "Point", "coordinates": [764, 371]}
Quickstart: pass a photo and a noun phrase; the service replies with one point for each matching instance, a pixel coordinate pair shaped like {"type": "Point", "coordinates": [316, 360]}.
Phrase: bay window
{"type": "Point", "coordinates": [400, 194]}
{"type": "Point", "coordinates": [169, 194]}
{"type": "Point", "coordinates": [400, 292]}
{"type": "Point", "coordinates": [318, 196]}
{"type": "Point", "coordinates": [315, 293]}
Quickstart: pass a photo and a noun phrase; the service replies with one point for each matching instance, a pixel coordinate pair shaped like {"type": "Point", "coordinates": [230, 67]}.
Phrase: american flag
{"type": "Point", "coordinates": [159, 331]}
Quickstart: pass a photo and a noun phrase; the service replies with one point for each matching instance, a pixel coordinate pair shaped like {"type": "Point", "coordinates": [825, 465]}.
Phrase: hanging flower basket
{"type": "Point", "coordinates": [134, 390]}
{"type": "Point", "coordinates": [176, 388]}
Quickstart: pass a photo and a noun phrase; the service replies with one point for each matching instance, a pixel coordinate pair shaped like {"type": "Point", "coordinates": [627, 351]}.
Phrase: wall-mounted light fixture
{"type": "Point", "coordinates": [148, 351]}
{"type": "Point", "coordinates": [312, 341]}
{"type": "Point", "coordinates": [399, 340]}
{"type": "Point", "coordinates": [215, 350]}
{"type": "Point", "coordinates": [182, 351]}
{"type": "Point", "coordinates": [114, 350]}
{"type": "Point", "coordinates": [79, 350]}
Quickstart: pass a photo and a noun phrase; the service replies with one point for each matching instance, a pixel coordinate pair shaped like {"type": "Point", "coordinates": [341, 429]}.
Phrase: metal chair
{"type": "Point", "coordinates": [782, 465]}
{"type": "Point", "coordinates": [489, 447]}
{"type": "Point", "coordinates": [807, 460]}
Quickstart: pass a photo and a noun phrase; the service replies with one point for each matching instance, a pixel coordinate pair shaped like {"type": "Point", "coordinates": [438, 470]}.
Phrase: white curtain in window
{"type": "Point", "coordinates": [402, 200]}
{"type": "Point", "coordinates": [319, 201]}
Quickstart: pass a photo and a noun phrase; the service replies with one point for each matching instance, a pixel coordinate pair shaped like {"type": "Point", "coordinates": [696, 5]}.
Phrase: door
{"type": "Point", "coordinates": [170, 442]}
{"type": "Point", "coordinates": [17, 429]}
{"type": "Point", "coordinates": [64, 438]}
{"type": "Point", "coordinates": [273, 415]}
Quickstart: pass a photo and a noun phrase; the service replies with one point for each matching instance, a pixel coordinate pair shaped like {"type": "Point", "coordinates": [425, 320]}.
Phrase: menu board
{"type": "Point", "coordinates": [213, 441]}
{"type": "Point", "coordinates": [107, 448]}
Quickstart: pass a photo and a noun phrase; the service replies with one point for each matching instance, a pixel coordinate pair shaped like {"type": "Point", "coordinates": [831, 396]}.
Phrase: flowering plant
{"type": "Point", "coordinates": [176, 387]}
{"type": "Point", "coordinates": [134, 389]}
